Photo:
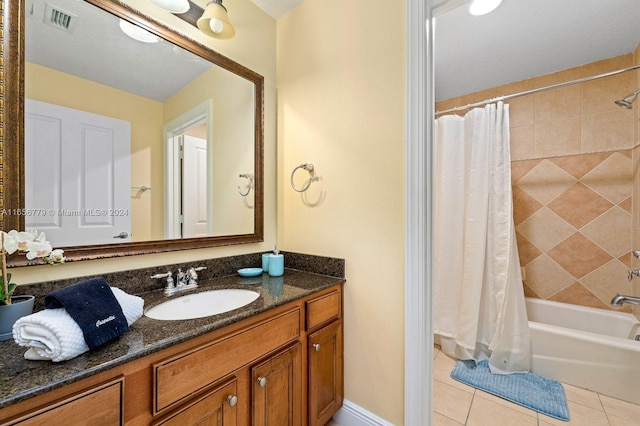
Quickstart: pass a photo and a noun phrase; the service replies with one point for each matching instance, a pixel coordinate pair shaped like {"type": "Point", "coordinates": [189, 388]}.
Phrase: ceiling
{"type": "Point", "coordinates": [276, 8]}
{"type": "Point", "coordinates": [151, 70]}
{"type": "Point", "coordinates": [527, 38]}
{"type": "Point", "coordinates": [519, 40]}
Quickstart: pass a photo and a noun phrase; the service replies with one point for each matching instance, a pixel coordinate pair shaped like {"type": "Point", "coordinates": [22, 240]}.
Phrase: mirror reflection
{"type": "Point", "coordinates": [129, 138]}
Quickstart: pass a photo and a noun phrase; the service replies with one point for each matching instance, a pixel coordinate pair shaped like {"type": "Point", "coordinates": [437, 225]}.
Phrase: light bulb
{"type": "Point", "coordinates": [482, 7]}
{"type": "Point", "coordinates": [216, 25]}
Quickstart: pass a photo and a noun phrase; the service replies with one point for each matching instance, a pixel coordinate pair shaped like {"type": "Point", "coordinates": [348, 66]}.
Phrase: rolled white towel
{"type": "Point", "coordinates": [52, 334]}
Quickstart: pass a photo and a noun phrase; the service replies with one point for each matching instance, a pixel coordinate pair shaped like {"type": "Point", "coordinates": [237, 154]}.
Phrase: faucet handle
{"type": "Point", "coordinates": [635, 272]}
{"type": "Point", "coordinates": [169, 276]}
{"type": "Point", "coordinates": [193, 273]}
{"type": "Point", "coordinates": [165, 275]}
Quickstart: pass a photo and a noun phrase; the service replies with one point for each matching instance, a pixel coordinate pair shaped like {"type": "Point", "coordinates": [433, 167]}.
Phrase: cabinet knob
{"type": "Point", "coordinates": [316, 346]}
{"type": "Point", "coordinates": [262, 381]}
{"type": "Point", "coordinates": [233, 400]}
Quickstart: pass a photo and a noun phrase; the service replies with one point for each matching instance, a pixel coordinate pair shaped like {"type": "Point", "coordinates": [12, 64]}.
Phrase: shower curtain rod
{"type": "Point", "coordinates": [532, 91]}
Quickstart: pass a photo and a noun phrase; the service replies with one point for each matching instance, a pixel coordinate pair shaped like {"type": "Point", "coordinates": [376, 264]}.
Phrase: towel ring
{"type": "Point", "coordinates": [249, 185]}
{"type": "Point", "coordinates": [308, 167]}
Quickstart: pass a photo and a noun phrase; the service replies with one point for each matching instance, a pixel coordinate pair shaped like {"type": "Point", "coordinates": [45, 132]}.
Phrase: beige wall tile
{"type": "Point", "coordinates": [591, 205]}
{"type": "Point", "coordinates": [577, 294]}
{"type": "Point", "coordinates": [545, 277]}
{"type": "Point", "coordinates": [522, 111]}
{"type": "Point", "coordinates": [558, 104]}
{"type": "Point", "coordinates": [612, 178]}
{"type": "Point", "coordinates": [526, 250]}
{"type": "Point", "coordinates": [606, 281]}
{"type": "Point", "coordinates": [600, 95]}
{"type": "Point", "coordinates": [579, 165]}
{"type": "Point", "coordinates": [558, 137]}
{"type": "Point", "coordinates": [522, 142]}
{"type": "Point", "coordinates": [607, 131]}
{"type": "Point", "coordinates": [545, 229]}
{"type": "Point", "coordinates": [546, 181]}
{"type": "Point", "coordinates": [579, 256]}
{"type": "Point", "coordinates": [611, 231]}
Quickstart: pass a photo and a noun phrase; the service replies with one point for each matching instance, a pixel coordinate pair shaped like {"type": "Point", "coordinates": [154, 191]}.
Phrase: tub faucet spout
{"type": "Point", "coordinates": [620, 299]}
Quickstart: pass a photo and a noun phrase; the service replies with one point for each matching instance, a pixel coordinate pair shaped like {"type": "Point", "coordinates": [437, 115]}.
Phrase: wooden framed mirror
{"type": "Point", "coordinates": [237, 173]}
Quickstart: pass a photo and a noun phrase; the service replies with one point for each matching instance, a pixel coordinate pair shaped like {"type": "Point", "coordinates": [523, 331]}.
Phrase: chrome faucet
{"type": "Point", "coordinates": [619, 300]}
{"type": "Point", "coordinates": [635, 272]}
{"type": "Point", "coordinates": [170, 287]}
{"type": "Point", "coordinates": [184, 280]}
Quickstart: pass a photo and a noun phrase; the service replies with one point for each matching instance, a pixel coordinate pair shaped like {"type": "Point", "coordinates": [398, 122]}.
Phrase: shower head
{"type": "Point", "coordinates": [628, 100]}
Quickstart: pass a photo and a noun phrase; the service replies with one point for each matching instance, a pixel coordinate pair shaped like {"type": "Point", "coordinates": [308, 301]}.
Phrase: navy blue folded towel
{"type": "Point", "coordinates": [93, 306]}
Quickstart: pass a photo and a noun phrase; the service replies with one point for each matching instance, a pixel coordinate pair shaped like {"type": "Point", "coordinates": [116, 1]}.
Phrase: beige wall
{"type": "Point", "coordinates": [254, 46]}
{"type": "Point", "coordinates": [572, 175]}
{"type": "Point", "coordinates": [341, 107]}
{"type": "Point", "coordinates": [146, 118]}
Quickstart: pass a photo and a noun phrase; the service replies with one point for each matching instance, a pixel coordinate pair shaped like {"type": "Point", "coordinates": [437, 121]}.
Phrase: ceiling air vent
{"type": "Point", "coordinates": [58, 18]}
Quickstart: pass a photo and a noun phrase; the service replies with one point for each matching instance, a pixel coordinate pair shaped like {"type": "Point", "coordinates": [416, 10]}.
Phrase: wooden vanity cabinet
{"type": "Point", "coordinates": [277, 389]}
{"type": "Point", "coordinates": [218, 406]}
{"type": "Point", "coordinates": [325, 358]}
{"type": "Point", "coordinates": [281, 367]}
{"type": "Point", "coordinates": [81, 405]}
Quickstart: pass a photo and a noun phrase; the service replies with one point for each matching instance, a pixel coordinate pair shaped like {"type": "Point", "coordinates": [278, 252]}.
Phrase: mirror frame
{"type": "Point", "coordinates": [12, 183]}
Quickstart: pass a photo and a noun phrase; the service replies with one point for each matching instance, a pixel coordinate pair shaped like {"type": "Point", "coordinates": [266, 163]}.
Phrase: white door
{"type": "Point", "coordinates": [194, 187]}
{"type": "Point", "coordinates": [77, 175]}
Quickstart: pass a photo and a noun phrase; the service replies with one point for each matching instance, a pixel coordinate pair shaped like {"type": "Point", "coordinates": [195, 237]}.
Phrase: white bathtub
{"type": "Point", "coordinates": [586, 347]}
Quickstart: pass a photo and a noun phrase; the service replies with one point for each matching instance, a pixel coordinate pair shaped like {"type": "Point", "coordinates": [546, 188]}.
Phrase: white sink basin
{"type": "Point", "coordinates": [203, 304]}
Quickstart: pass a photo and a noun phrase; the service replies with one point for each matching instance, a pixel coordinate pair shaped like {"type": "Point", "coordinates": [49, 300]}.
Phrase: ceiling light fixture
{"type": "Point", "coordinates": [215, 22]}
{"type": "Point", "coordinates": [482, 7]}
{"type": "Point", "coordinates": [137, 33]}
{"type": "Point", "coordinates": [173, 6]}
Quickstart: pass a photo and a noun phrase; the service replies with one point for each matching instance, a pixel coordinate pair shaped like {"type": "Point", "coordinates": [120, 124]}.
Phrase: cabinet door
{"type": "Point", "coordinates": [215, 408]}
{"type": "Point", "coordinates": [277, 389]}
{"type": "Point", "coordinates": [326, 381]}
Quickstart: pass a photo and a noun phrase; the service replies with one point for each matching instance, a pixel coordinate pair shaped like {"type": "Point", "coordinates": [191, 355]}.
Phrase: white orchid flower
{"type": "Point", "coordinates": [10, 242]}
{"type": "Point", "coordinates": [23, 239]}
{"type": "Point", "coordinates": [38, 249]}
{"type": "Point", "coordinates": [57, 256]}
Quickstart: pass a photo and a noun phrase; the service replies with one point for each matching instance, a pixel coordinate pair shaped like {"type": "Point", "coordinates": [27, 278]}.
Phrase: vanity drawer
{"type": "Point", "coordinates": [186, 373]}
{"type": "Point", "coordinates": [323, 309]}
{"type": "Point", "coordinates": [80, 408]}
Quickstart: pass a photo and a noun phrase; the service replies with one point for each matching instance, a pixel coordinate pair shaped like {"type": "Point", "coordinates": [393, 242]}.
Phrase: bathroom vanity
{"type": "Point", "coordinates": [278, 360]}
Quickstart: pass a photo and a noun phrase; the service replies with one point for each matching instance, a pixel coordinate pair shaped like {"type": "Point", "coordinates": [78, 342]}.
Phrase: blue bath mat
{"type": "Point", "coordinates": [538, 393]}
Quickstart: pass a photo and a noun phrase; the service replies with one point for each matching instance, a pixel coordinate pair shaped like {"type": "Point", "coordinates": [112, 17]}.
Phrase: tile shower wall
{"type": "Point", "coordinates": [573, 152]}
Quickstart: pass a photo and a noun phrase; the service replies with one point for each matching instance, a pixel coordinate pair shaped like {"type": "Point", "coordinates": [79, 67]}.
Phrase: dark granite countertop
{"type": "Point", "coordinates": [22, 379]}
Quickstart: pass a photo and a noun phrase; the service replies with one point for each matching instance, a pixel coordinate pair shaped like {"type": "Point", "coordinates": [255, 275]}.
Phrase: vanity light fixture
{"type": "Point", "coordinates": [137, 33]}
{"type": "Point", "coordinates": [173, 6]}
{"type": "Point", "coordinates": [482, 7]}
{"type": "Point", "coordinates": [215, 22]}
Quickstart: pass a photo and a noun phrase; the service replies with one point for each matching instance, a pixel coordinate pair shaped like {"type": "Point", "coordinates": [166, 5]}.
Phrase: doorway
{"type": "Point", "coordinates": [187, 165]}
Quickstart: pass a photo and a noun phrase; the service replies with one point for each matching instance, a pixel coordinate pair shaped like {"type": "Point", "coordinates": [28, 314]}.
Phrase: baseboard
{"type": "Point", "coordinates": [353, 415]}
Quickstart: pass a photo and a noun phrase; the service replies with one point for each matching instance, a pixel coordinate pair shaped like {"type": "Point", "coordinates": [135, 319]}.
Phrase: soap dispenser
{"type": "Point", "coordinates": [276, 263]}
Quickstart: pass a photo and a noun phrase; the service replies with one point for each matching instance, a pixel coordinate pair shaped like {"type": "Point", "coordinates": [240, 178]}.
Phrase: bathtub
{"type": "Point", "coordinates": [586, 347]}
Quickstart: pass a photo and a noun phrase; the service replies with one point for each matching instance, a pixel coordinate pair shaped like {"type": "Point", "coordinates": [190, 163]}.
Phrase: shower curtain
{"type": "Point", "coordinates": [478, 297]}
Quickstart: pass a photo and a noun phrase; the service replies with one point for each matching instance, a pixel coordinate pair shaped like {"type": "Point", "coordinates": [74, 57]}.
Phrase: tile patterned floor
{"type": "Point", "coordinates": [455, 404]}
